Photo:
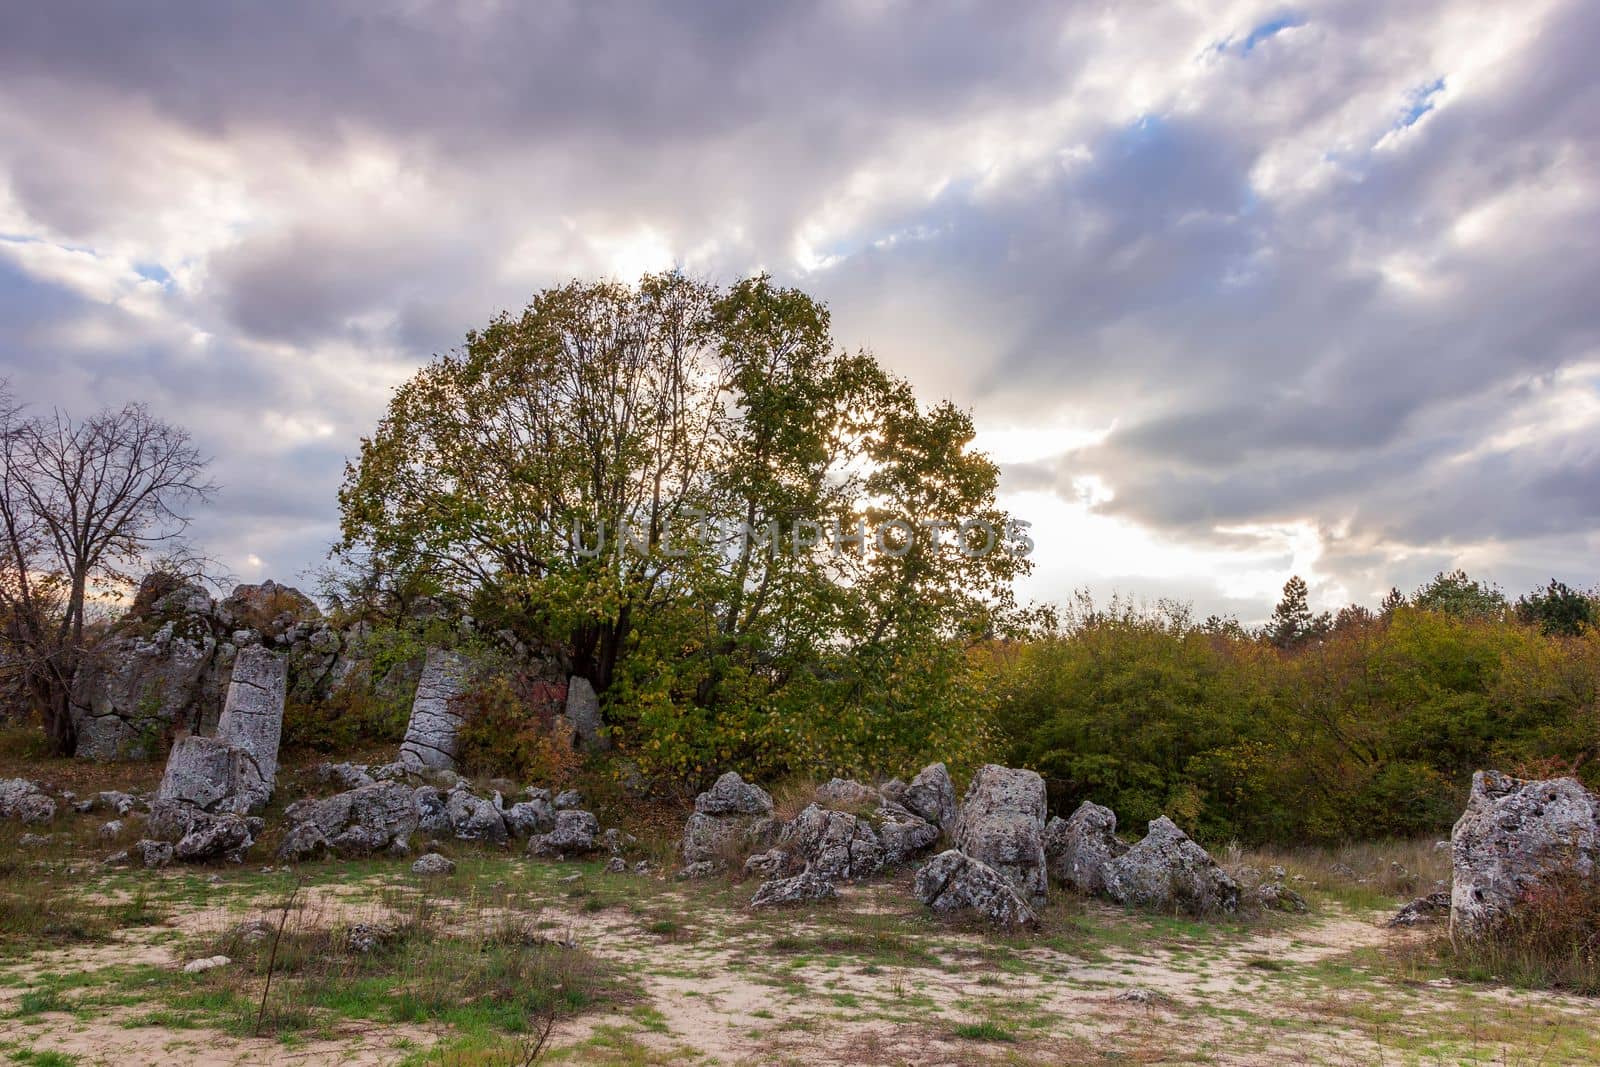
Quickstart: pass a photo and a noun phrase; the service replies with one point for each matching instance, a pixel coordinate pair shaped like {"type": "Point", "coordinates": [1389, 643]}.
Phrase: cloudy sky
{"type": "Point", "coordinates": [1234, 290]}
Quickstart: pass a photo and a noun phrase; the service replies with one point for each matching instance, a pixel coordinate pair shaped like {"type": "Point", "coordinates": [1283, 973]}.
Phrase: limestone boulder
{"type": "Point", "coordinates": [373, 818]}
{"type": "Point", "coordinates": [807, 887]}
{"type": "Point", "coordinates": [24, 801]}
{"type": "Point", "coordinates": [1166, 871]}
{"type": "Point", "coordinates": [955, 883]}
{"type": "Point", "coordinates": [1516, 839]}
{"type": "Point", "coordinates": [834, 845]}
{"type": "Point", "coordinates": [846, 794]}
{"type": "Point", "coordinates": [903, 834]}
{"type": "Point", "coordinates": [1078, 848]}
{"type": "Point", "coordinates": [583, 712]}
{"type": "Point", "coordinates": [1002, 825]}
{"type": "Point", "coordinates": [575, 834]}
{"type": "Point", "coordinates": [932, 796]}
{"type": "Point", "coordinates": [732, 817]}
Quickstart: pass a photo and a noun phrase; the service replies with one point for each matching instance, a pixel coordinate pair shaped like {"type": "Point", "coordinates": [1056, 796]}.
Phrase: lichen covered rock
{"type": "Point", "coordinates": [952, 883]}
{"type": "Point", "coordinates": [1168, 872]}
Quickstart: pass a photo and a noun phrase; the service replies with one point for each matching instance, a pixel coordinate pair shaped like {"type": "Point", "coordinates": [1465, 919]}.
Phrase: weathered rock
{"type": "Point", "coordinates": [1168, 872]}
{"type": "Point", "coordinates": [834, 845]}
{"type": "Point", "coordinates": [932, 795]}
{"type": "Point", "coordinates": [1002, 825]}
{"type": "Point", "coordinates": [574, 835]}
{"type": "Point", "coordinates": [31, 840]}
{"type": "Point", "coordinates": [1516, 838]}
{"type": "Point", "coordinates": [431, 739]}
{"type": "Point", "coordinates": [212, 775]}
{"type": "Point", "coordinates": [433, 864]}
{"type": "Point", "coordinates": [894, 791]}
{"type": "Point", "coordinates": [364, 938]}
{"type": "Point", "coordinates": [111, 830]}
{"type": "Point", "coordinates": [208, 963]}
{"type": "Point", "coordinates": [358, 822]}
{"type": "Point", "coordinates": [473, 818]}
{"type": "Point", "coordinates": [153, 854]}
{"type": "Point", "coordinates": [1275, 896]}
{"type": "Point", "coordinates": [804, 888]}
{"type": "Point", "coordinates": [252, 715]}
{"type": "Point", "coordinates": [953, 882]}
{"type": "Point", "coordinates": [568, 800]}
{"type": "Point", "coordinates": [616, 865]}
{"type": "Point", "coordinates": [1078, 848]}
{"type": "Point", "coordinates": [1423, 910]}
{"type": "Point", "coordinates": [583, 711]}
{"type": "Point", "coordinates": [528, 817]}
{"type": "Point", "coordinates": [729, 818]}
{"type": "Point", "coordinates": [903, 834]}
{"type": "Point", "coordinates": [846, 794]}
{"type": "Point", "coordinates": [24, 801]}
{"type": "Point", "coordinates": [144, 680]}
{"type": "Point", "coordinates": [197, 835]}
{"type": "Point", "coordinates": [342, 775]}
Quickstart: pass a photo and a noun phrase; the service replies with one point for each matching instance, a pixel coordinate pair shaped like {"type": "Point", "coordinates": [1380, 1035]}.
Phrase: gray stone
{"type": "Point", "coordinates": [568, 800]}
{"type": "Point", "coordinates": [431, 740]}
{"type": "Point", "coordinates": [932, 795]}
{"type": "Point", "coordinates": [110, 830]}
{"type": "Point", "coordinates": [903, 834]}
{"type": "Point", "coordinates": [732, 795]}
{"type": "Point", "coordinates": [358, 822]}
{"type": "Point", "coordinates": [953, 883]}
{"type": "Point", "coordinates": [252, 715]}
{"type": "Point", "coordinates": [804, 888]}
{"type": "Point", "coordinates": [24, 801]}
{"type": "Point", "coordinates": [847, 794]}
{"type": "Point", "coordinates": [574, 835]}
{"type": "Point", "coordinates": [208, 963]}
{"type": "Point", "coordinates": [342, 775]}
{"type": "Point", "coordinates": [365, 938]}
{"type": "Point", "coordinates": [474, 818]}
{"type": "Point", "coordinates": [226, 836]}
{"type": "Point", "coordinates": [583, 711]}
{"type": "Point", "coordinates": [616, 865]}
{"type": "Point", "coordinates": [1168, 872]}
{"type": "Point", "coordinates": [1077, 848]}
{"type": "Point", "coordinates": [528, 817]}
{"type": "Point", "coordinates": [834, 845]}
{"type": "Point", "coordinates": [1423, 910]}
{"type": "Point", "coordinates": [1002, 825]}
{"type": "Point", "coordinates": [1516, 838]}
{"type": "Point", "coordinates": [730, 818]}
{"type": "Point", "coordinates": [212, 775]}
{"type": "Point", "coordinates": [433, 864]}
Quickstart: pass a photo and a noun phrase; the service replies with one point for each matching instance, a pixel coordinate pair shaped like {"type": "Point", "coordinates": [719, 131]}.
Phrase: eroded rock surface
{"type": "Point", "coordinates": [732, 816]}
{"type": "Point", "coordinates": [953, 882]}
{"type": "Point", "coordinates": [1078, 848]}
{"type": "Point", "coordinates": [1517, 838]}
{"type": "Point", "coordinates": [1168, 872]}
{"type": "Point", "coordinates": [932, 795]}
{"type": "Point", "coordinates": [1002, 825]}
{"type": "Point", "coordinates": [24, 801]}
{"type": "Point", "coordinates": [432, 740]}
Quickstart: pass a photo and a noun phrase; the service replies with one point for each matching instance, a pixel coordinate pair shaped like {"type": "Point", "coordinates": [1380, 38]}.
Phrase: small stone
{"type": "Point", "coordinates": [209, 963]}
{"type": "Point", "coordinates": [616, 865]}
{"type": "Point", "coordinates": [433, 864]}
{"type": "Point", "coordinates": [110, 830]}
{"type": "Point", "coordinates": [568, 800]}
{"type": "Point", "coordinates": [804, 888]}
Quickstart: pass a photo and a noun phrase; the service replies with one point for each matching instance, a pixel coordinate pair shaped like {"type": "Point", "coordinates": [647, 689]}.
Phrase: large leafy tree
{"type": "Point", "coordinates": [733, 452]}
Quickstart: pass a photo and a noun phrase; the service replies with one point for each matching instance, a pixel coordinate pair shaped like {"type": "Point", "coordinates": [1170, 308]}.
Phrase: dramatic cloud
{"type": "Point", "coordinates": [1233, 289]}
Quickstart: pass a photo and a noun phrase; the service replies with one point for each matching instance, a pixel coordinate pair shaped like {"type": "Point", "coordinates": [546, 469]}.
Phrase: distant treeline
{"type": "Point", "coordinates": [1315, 727]}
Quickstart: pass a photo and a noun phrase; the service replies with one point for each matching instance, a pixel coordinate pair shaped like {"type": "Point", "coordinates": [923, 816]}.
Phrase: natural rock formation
{"type": "Point", "coordinates": [952, 882]}
{"type": "Point", "coordinates": [433, 864]}
{"type": "Point", "coordinates": [846, 794]}
{"type": "Point", "coordinates": [574, 835]}
{"type": "Point", "coordinates": [431, 736]}
{"type": "Point", "coordinates": [932, 795]}
{"type": "Point", "coordinates": [903, 834]}
{"type": "Point", "coordinates": [528, 817]}
{"type": "Point", "coordinates": [370, 819]}
{"type": "Point", "coordinates": [1168, 872]}
{"type": "Point", "coordinates": [473, 818]}
{"type": "Point", "coordinates": [833, 845]}
{"type": "Point", "coordinates": [252, 715]}
{"type": "Point", "coordinates": [583, 711]}
{"type": "Point", "coordinates": [803, 888]}
{"type": "Point", "coordinates": [1423, 910]}
{"type": "Point", "coordinates": [1078, 848]}
{"type": "Point", "coordinates": [197, 835]}
{"type": "Point", "coordinates": [732, 816]}
{"type": "Point", "coordinates": [1516, 838]}
{"type": "Point", "coordinates": [1002, 825]}
{"type": "Point", "coordinates": [24, 801]}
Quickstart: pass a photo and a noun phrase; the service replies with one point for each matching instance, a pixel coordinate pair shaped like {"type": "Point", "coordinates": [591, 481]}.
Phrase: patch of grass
{"type": "Point", "coordinates": [982, 1031]}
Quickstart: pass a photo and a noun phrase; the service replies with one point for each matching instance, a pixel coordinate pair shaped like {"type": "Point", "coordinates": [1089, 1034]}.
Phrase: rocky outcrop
{"type": "Point", "coordinates": [431, 740]}
{"type": "Point", "coordinates": [1078, 848]}
{"type": "Point", "coordinates": [903, 834]}
{"type": "Point", "coordinates": [528, 817]}
{"type": "Point", "coordinates": [1002, 825]}
{"type": "Point", "coordinates": [144, 679]}
{"type": "Point", "coordinates": [731, 817]}
{"type": "Point", "coordinates": [807, 887]}
{"type": "Point", "coordinates": [833, 845]}
{"type": "Point", "coordinates": [252, 715]}
{"type": "Point", "coordinates": [574, 835]}
{"type": "Point", "coordinates": [1423, 910]}
{"type": "Point", "coordinates": [932, 795]}
{"type": "Point", "coordinates": [846, 794]}
{"type": "Point", "coordinates": [211, 775]}
{"type": "Point", "coordinates": [24, 801]}
{"type": "Point", "coordinates": [197, 835]}
{"type": "Point", "coordinates": [373, 818]}
{"type": "Point", "coordinates": [954, 883]}
{"type": "Point", "coordinates": [1168, 872]}
{"type": "Point", "coordinates": [1516, 839]}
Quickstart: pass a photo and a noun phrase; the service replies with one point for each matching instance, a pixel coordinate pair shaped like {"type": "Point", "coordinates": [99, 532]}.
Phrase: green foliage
{"type": "Point", "coordinates": [1558, 609]}
{"type": "Point", "coordinates": [650, 409]}
{"type": "Point", "coordinates": [1371, 731]}
{"type": "Point", "coordinates": [1293, 622]}
{"type": "Point", "coordinates": [510, 729]}
{"type": "Point", "coordinates": [1465, 598]}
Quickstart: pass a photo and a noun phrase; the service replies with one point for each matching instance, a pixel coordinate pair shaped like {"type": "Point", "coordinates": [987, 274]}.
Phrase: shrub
{"type": "Point", "coordinates": [1551, 940]}
{"type": "Point", "coordinates": [512, 727]}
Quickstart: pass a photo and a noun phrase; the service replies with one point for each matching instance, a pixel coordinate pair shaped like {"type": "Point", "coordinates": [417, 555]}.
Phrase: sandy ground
{"type": "Point", "coordinates": [1284, 996]}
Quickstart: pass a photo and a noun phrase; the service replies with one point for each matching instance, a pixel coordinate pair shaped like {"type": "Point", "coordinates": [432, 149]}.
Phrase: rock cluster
{"type": "Point", "coordinates": [733, 816]}
{"type": "Point", "coordinates": [1078, 848]}
{"type": "Point", "coordinates": [954, 882]}
{"type": "Point", "coordinates": [1167, 871]}
{"type": "Point", "coordinates": [1002, 825]}
{"type": "Point", "coordinates": [234, 771]}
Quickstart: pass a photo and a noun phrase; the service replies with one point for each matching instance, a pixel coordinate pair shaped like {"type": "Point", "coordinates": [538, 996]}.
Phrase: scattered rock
{"type": "Point", "coordinates": [1168, 872]}
{"type": "Point", "coordinates": [953, 882]}
{"type": "Point", "coordinates": [903, 834]}
{"type": "Point", "coordinates": [1078, 848]}
{"type": "Point", "coordinates": [1002, 825]}
{"type": "Point", "coordinates": [110, 830]}
{"type": "Point", "coordinates": [209, 963]}
{"type": "Point", "coordinates": [433, 863]}
{"type": "Point", "coordinates": [1423, 910]}
{"type": "Point", "coordinates": [803, 888]}
{"type": "Point", "coordinates": [354, 823]}
{"type": "Point", "coordinates": [24, 801]}
{"type": "Point", "coordinates": [528, 817]}
{"type": "Point", "coordinates": [847, 794]}
{"type": "Point", "coordinates": [343, 776]}
{"type": "Point", "coordinates": [732, 816]}
{"type": "Point", "coordinates": [568, 800]}
{"type": "Point", "coordinates": [1516, 837]}
{"type": "Point", "coordinates": [366, 938]}
{"type": "Point", "coordinates": [1275, 896]}
{"type": "Point", "coordinates": [153, 855]}
{"type": "Point", "coordinates": [474, 818]}
{"type": "Point", "coordinates": [35, 840]}
{"type": "Point", "coordinates": [616, 865]}
{"type": "Point", "coordinates": [574, 835]}
{"type": "Point", "coordinates": [932, 795]}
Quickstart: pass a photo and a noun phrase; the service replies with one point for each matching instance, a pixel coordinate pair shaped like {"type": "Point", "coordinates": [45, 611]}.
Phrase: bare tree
{"type": "Point", "coordinates": [82, 503]}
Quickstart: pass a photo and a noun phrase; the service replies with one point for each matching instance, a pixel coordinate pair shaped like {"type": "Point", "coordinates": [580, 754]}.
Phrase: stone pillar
{"type": "Point", "coordinates": [252, 714]}
{"type": "Point", "coordinates": [431, 738]}
{"type": "Point", "coordinates": [583, 711]}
